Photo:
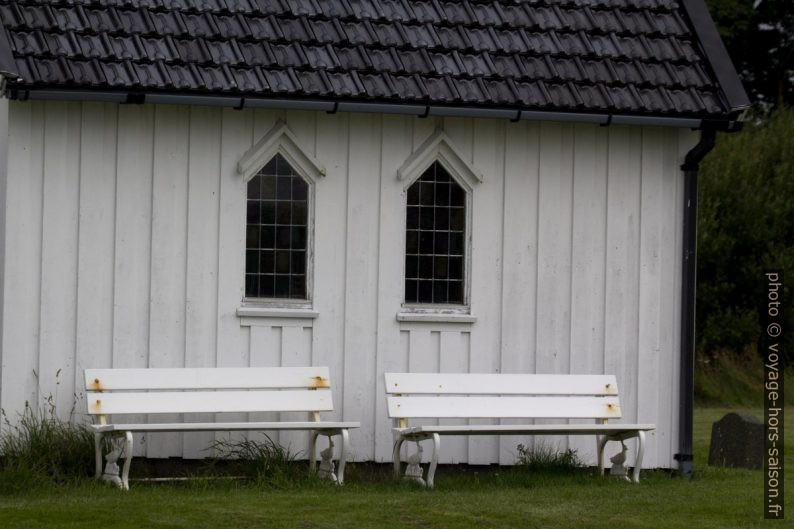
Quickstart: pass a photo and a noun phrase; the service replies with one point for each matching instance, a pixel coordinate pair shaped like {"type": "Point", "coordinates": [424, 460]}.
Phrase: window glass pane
{"type": "Point", "coordinates": [266, 285]}
{"type": "Point", "coordinates": [412, 242]}
{"type": "Point", "coordinates": [297, 287]}
{"type": "Point", "coordinates": [268, 212]}
{"type": "Point", "coordinates": [284, 188]}
{"type": "Point", "coordinates": [411, 287]}
{"type": "Point", "coordinates": [282, 236]}
{"type": "Point", "coordinates": [253, 211]}
{"type": "Point", "coordinates": [434, 239]}
{"type": "Point", "coordinates": [251, 283]}
{"type": "Point", "coordinates": [252, 236]}
{"type": "Point", "coordinates": [425, 294]}
{"type": "Point", "coordinates": [412, 218]}
{"type": "Point", "coordinates": [253, 188]}
{"type": "Point", "coordinates": [268, 237]}
{"type": "Point", "coordinates": [300, 189]}
{"type": "Point", "coordinates": [283, 212]}
{"type": "Point", "coordinates": [267, 261]}
{"type": "Point", "coordinates": [276, 232]}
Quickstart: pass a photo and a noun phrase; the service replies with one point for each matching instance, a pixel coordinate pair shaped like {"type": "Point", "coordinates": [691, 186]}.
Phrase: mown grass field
{"type": "Point", "coordinates": [487, 498]}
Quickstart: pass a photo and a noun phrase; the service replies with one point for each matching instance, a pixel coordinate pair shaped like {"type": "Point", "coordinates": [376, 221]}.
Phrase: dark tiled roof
{"type": "Point", "coordinates": [603, 56]}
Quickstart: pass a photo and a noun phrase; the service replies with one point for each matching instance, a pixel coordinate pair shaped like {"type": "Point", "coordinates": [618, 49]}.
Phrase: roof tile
{"type": "Point", "coordinates": [638, 56]}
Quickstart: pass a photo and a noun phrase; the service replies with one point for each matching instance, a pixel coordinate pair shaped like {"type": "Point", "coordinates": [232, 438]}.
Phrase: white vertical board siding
{"type": "Point", "coordinates": [588, 253]}
{"type": "Point", "coordinates": [391, 352]}
{"type": "Point", "coordinates": [169, 245]}
{"type": "Point", "coordinates": [486, 266]}
{"type": "Point", "coordinates": [201, 278]}
{"type": "Point", "coordinates": [622, 265]}
{"type": "Point", "coordinates": [125, 233]}
{"type": "Point", "coordinates": [58, 295]}
{"type": "Point", "coordinates": [133, 241]}
{"type": "Point", "coordinates": [520, 254]}
{"type": "Point", "coordinates": [555, 213]}
{"type": "Point", "coordinates": [96, 241]}
{"type": "Point", "coordinates": [22, 258]}
{"type": "Point", "coordinates": [361, 295]}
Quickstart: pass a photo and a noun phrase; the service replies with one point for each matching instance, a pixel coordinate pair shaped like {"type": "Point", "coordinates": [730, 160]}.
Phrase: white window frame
{"type": "Point", "coordinates": [439, 148]}
{"type": "Point", "coordinates": [281, 140]}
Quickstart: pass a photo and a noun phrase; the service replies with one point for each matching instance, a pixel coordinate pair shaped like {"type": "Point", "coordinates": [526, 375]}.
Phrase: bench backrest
{"type": "Point", "coordinates": [207, 390]}
{"type": "Point", "coordinates": [448, 395]}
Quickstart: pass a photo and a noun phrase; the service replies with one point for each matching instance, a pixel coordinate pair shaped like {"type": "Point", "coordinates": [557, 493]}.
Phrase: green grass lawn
{"type": "Point", "coordinates": [492, 497]}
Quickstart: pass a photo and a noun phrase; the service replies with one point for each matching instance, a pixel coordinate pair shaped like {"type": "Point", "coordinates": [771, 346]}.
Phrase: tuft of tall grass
{"type": "Point", "coordinates": [40, 448]}
{"type": "Point", "coordinates": [543, 457]}
{"type": "Point", "coordinates": [266, 462]}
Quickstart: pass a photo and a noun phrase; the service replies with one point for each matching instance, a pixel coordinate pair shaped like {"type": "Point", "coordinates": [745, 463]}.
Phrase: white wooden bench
{"type": "Point", "coordinates": [118, 392]}
{"type": "Point", "coordinates": [506, 396]}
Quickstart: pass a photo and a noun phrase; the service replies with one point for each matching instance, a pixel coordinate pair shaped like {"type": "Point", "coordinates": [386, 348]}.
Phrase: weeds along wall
{"type": "Point", "coordinates": [125, 236]}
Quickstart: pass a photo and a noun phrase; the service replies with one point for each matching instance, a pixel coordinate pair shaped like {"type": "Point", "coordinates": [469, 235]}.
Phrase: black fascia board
{"type": "Point", "coordinates": [720, 62]}
{"type": "Point", "coordinates": [423, 110]}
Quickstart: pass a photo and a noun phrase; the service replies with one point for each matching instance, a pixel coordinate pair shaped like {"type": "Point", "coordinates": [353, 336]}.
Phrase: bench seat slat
{"type": "Point", "coordinates": [208, 402]}
{"type": "Point", "coordinates": [500, 384]}
{"type": "Point", "coordinates": [223, 426]}
{"type": "Point", "coordinates": [206, 378]}
{"type": "Point", "coordinates": [505, 407]}
{"type": "Point", "coordinates": [517, 429]}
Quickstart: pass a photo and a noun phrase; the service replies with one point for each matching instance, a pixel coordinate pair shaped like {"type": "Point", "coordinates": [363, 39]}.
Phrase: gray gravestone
{"type": "Point", "coordinates": [737, 441]}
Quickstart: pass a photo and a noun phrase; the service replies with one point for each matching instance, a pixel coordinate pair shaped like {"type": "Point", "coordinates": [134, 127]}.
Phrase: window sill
{"type": "Point", "coordinates": [435, 317]}
{"type": "Point", "coordinates": [247, 311]}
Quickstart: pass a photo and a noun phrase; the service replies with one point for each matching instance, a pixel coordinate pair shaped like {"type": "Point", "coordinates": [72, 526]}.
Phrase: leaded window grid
{"type": "Point", "coordinates": [297, 274]}
{"type": "Point", "coordinates": [429, 243]}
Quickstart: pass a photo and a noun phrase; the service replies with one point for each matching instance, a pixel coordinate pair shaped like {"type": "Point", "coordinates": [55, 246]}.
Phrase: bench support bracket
{"type": "Point", "coordinates": [121, 446]}
{"type": "Point", "coordinates": [413, 472]}
{"type": "Point", "coordinates": [326, 469]}
{"type": "Point", "coordinates": [602, 442]}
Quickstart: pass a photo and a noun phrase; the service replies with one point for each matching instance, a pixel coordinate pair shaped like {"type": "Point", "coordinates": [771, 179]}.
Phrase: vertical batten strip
{"type": "Point", "coordinates": [58, 295]}
{"type": "Point", "coordinates": [622, 265]}
{"type": "Point", "coordinates": [169, 254]}
{"type": "Point", "coordinates": [93, 334]}
{"type": "Point", "coordinates": [651, 289]}
{"type": "Point", "coordinates": [132, 261]}
{"type": "Point", "coordinates": [232, 339]}
{"type": "Point", "coordinates": [201, 290]}
{"type": "Point", "coordinates": [669, 314]}
{"type": "Point", "coordinates": [395, 145]}
{"type": "Point", "coordinates": [329, 252]}
{"type": "Point", "coordinates": [554, 247]}
{"type": "Point", "coordinates": [22, 256]}
{"type": "Point", "coordinates": [486, 272]}
{"type": "Point", "coordinates": [588, 242]}
{"type": "Point", "coordinates": [519, 259]}
{"type": "Point", "coordinates": [361, 300]}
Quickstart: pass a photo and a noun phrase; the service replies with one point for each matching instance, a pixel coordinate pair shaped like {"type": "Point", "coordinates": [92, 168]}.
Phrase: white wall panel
{"type": "Point", "coordinates": [169, 253]}
{"type": "Point", "coordinates": [520, 257]}
{"type": "Point", "coordinates": [95, 247]}
{"type": "Point", "coordinates": [622, 262]}
{"type": "Point", "coordinates": [391, 350]}
{"type": "Point", "coordinates": [125, 234]}
{"type": "Point", "coordinates": [58, 297]}
{"type": "Point", "coordinates": [487, 155]}
{"type": "Point", "coordinates": [22, 259]}
{"type": "Point", "coordinates": [132, 259]}
{"type": "Point", "coordinates": [588, 255]}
